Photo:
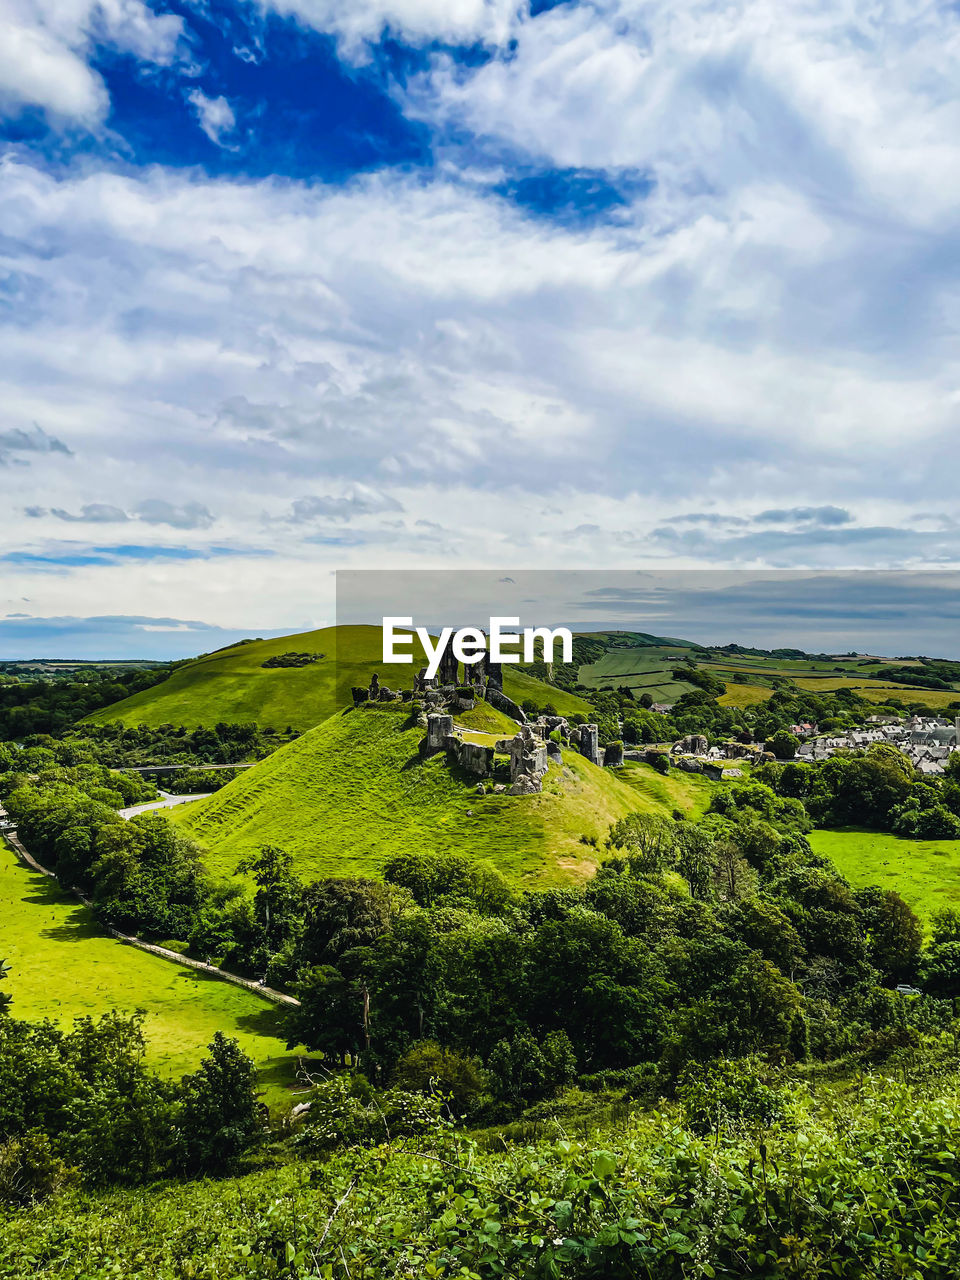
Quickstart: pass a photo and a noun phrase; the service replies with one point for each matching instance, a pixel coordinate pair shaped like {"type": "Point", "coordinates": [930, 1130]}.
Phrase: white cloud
{"type": "Point", "coordinates": [186, 515]}
{"type": "Point", "coordinates": [414, 21]}
{"type": "Point", "coordinates": [46, 46]}
{"type": "Point", "coordinates": [427, 371]}
{"type": "Point", "coordinates": [712, 97]}
{"type": "Point", "coordinates": [215, 116]}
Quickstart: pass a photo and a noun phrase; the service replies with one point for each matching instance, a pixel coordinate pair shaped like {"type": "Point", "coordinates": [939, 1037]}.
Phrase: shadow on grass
{"type": "Point", "coordinates": [267, 1021]}
{"type": "Point", "coordinates": [73, 930]}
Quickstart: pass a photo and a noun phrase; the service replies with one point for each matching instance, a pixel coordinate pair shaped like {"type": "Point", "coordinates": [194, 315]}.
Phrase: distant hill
{"type": "Point", "coordinates": [353, 792]}
{"type": "Point", "coordinates": [234, 685]}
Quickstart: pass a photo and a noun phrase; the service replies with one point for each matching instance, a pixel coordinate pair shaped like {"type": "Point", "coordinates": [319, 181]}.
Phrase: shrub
{"type": "Point", "coordinates": [427, 1068]}
{"type": "Point", "coordinates": [30, 1170]}
{"type": "Point", "coordinates": [728, 1095]}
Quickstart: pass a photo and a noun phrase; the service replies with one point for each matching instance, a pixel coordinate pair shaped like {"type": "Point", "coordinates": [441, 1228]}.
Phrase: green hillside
{"type": "Point", "coordinates": [63, 966]}
{"type": "Point", "coordinates": [353, 792]}
{"type": "Point", "coordinates": [233, 684]}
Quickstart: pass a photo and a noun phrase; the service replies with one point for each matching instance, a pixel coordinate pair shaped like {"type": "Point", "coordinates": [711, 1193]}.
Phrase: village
{"type": "Point", "coordinates": [927, 741]}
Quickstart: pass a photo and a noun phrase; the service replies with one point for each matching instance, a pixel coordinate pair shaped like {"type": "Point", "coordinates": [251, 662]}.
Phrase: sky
{"type": "Point", "coordinates": [298, 286]}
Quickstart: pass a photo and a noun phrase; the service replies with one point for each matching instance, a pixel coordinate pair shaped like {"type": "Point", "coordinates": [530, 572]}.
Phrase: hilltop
{"type": "Point", "coordinates": [234, 684]}
{"type": "Point", "coordinates": [298, 681]}
{"type": "Point", "coordinates": [353, 792]}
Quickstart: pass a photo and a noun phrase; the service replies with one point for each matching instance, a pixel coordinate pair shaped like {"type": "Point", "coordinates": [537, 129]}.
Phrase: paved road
{"type": "Point", "coordinates": [167, 802]}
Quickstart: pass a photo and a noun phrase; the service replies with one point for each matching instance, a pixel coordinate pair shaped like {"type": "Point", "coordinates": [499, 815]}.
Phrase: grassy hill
{"type": "Point", "coordinates": [234, 685]}
{"type": "Point", "coordinates": [63, 966]}
{"type": "Point", "coordinates": [353, 792]}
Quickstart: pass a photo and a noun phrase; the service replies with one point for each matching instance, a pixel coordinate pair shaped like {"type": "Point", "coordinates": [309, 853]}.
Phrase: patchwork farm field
{"type": "Point", "coordinates": [876, 691]}
{"type": "Point", "coordinates": [926, 873]}
{"type": "Point", "coordinates": [642, 670]}
{"type": "Point", "coordinates": [649, 669]}
{"type": "Point", "coordinates": [62, 966]}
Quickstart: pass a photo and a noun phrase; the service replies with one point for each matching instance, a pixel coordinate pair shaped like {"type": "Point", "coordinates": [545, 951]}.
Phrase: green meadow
{"type": "Point", "coordinates": [926, 873]}
{"type": "Point", "coordinates": [62, 966]}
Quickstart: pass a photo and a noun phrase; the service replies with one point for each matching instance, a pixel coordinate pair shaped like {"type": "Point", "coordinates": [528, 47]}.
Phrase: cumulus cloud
{"type": "Point", "coordinates": [90, 513]}
{"type": "Point", "coordinates": [186, 515]}
{"type": "Point", "coordinates": [47, 45]}
{"type": "Point", "coordinates": [713, 99]}
{"type": "Point", "coordinates": [768, 328]}
{"type": "Point", "coordinates": [805, 515]}
{"type": "Point", "coordinates": [215, 116]}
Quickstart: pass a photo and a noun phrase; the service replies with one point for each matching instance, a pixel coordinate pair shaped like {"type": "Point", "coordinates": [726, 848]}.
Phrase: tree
{"type": "Point", "coordinates": [426, 1067]}
{"type": "Point", "coordinates": [783, 744]}
{"type": "Point", "coordinates": [221, 1115]}
{"type": "Point", "coordinates": [894, 934]}
{"type": "Point", "coordinates": [332, 1016]}
{"type": "Point", "coordinates": [434, 878]}
{"type": "Point", "coordinates": [278, 902]}
{"type": "Point", "coordinates": [341, 914]}
{"type": "Point", "coordinates": [648, 841]}
{"type": "Point", "coordinates": [940, 973]}
{"type": "Point", "coordinates": [522, 1070]}
{"type": "Point", "coordinates": [4, 995]}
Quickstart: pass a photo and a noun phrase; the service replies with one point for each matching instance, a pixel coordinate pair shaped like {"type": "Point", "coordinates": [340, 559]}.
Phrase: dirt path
{"type": "Point", "coordinates": [268, 993]}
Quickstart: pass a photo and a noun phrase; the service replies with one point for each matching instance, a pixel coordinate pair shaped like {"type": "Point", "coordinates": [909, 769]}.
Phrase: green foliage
{"type": "Point", "coordinates": [428, 1068]}
{"type": "Point", "coordinates": [346, 1112]}
{"type": "Point", "coordinates": [730, 1096]}
{"type": "Point", "coordinates": [521, 1070]}
{"type": "Point", "coordinates": [81, 1102]}
{"type": "Point", "coordinates": [31, 1170]}
{"type": "Point", "coordinates": [860, 1183]}
{"type": "Point", "coordinates": [220, 1114]}
{"type": "Point", "coordinates": [451, 879]}
{"type": "Point", "coordinates": [52, 706]}
{"type": "Point", "coordinates": [783, 744]}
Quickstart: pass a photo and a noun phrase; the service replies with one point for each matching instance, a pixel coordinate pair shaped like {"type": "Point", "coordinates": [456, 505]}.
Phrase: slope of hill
{"type": "Point", "coordinates": [353, 792]}
{"type": "Point", "coordinates": [234, 685]}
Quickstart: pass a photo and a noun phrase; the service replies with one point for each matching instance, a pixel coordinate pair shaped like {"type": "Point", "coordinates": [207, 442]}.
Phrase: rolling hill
{"type": "Point", "coordinates": [353, 792]}
{"type": "Point", "coordinates": [234, 685]}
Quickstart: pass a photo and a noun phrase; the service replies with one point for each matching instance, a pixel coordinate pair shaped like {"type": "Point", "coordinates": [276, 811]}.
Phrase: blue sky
{"type": "Point", "coordinates": [300, 285]}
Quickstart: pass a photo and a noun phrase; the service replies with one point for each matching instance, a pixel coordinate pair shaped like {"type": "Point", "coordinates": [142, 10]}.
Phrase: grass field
{"type": "Point", "coordinates": [353, 792]}
{"type": "Point", "coordinates": [63, 966]}
{"type": "Point", "coordinates": [235, 686]}
{"type": "Point", "coordinates": [926, 873]}
{"type": "Point", "coordinates": [744, 695]}
{"type": "Point", "coordinates": [876, 691]}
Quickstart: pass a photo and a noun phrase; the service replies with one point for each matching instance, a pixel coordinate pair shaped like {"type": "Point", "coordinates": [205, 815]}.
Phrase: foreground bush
{"type": "Point", "coordinates": [861, 1183]}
